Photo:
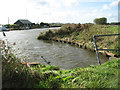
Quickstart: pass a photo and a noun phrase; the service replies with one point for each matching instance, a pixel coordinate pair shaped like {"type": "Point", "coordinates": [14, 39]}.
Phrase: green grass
{"type": "Point", "coordinates": [113, 29]}
{"type": "Point", "coordinates": [43, 76]}
{"type": "Point", "coordinates": [104, 76]}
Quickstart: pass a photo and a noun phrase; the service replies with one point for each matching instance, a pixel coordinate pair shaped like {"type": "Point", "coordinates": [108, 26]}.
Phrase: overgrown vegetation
{"type": "Point", "coordinates": [104, 76]}
{"type": "Point", "coordinates": [84, 33]}
{"type": "Point", "coordinates": [15, 75]}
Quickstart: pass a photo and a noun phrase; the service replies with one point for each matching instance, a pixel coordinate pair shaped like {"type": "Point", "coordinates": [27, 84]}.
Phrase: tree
{"type": "Point", "coordinates": [100, 20]}
{"type": "Point", "coordinates": [41, 24]}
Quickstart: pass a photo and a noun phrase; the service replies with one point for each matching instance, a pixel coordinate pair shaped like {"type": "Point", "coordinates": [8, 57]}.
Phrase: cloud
{"type": "Point", "coordinates": [105, 7]}
{"type": "Point", "coordinates": [70, 2]}
{"type": "Point", "coordinates": [13, 9]}
{"type": "Point", "coordinates": [53, 10]}
{"type": "Point", "coordinates": [109, 11]}
{"type": "Point", "coordinates": [108, 6]}
{"type": "Point", "coordinates": [114, 3]}
{"type": "Point", "coordinates": [95, 11]}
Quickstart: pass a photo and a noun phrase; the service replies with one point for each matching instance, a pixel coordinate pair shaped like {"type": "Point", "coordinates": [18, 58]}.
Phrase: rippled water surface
{"type": "Point", "coordinates": [63, 55]}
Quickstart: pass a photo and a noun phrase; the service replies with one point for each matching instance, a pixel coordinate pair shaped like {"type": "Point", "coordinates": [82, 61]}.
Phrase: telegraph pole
{"type": "Point", "coordinates": [8, 20]}
{"type": "Point", "coordinates": [26, 13]}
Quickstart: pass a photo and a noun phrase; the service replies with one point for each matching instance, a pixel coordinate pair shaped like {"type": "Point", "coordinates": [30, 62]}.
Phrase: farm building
{"type": "Point", "coordinates": [23, 23]}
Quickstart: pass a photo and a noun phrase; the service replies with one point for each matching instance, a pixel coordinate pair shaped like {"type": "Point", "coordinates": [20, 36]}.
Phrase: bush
{"type": "Point", "coordinates": [100, 21]}
{"type": "Point", "coordinates": [46, 36]}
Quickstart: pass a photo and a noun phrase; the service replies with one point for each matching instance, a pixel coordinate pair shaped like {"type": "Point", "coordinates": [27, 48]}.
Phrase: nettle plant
{"type": "Point", "coordinates": [5, 49]}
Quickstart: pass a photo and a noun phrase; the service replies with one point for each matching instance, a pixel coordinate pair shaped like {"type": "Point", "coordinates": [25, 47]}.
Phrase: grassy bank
{"type": "Point", "coordinates": [44, 76]}
{"type": "Point", "coordinates": [104, 76]}
{"type": "Point", "coordinates": [83, 33]}
{"type": "Point", "coordinates": [15, 75]}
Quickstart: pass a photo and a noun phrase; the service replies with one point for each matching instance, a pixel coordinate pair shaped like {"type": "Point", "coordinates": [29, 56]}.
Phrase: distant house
{"type": "Point", "coordinates": [23, 23]}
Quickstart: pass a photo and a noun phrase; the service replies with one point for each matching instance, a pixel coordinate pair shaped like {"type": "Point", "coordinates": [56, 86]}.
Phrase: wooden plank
{"type": "Point", "coordinates": [28, 64]}
{"type": "Point", "coordinates": [32, 63]}
{"type": "Point", "coordinates": [110, 54]}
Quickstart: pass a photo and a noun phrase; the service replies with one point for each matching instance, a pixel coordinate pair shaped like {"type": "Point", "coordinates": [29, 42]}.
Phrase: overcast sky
{"type": "Point", "coordinates": [64, 11]}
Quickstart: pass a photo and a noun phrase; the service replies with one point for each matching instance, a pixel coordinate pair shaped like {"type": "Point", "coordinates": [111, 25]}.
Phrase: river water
{"type": "Point", "coordinates": [29, 49]}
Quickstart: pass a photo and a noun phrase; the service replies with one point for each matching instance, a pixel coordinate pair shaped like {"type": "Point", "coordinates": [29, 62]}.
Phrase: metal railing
{"type": "Point", "coordinates": [94, 38]}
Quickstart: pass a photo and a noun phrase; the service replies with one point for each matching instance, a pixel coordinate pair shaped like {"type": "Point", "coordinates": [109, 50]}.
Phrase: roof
{"type": "Point", "coordinates": [24, 21]}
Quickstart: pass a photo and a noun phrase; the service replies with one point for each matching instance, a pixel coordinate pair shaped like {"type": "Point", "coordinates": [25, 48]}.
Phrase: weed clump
{"type": "Point", "coordinates": [46, 36]}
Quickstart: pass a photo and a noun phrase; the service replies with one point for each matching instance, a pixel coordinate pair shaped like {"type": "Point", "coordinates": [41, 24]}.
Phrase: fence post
{"type": "Point", "coordinates": [98, 57]}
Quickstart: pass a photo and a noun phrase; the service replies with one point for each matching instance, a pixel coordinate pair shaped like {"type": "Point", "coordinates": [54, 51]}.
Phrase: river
{"type": "Point", "coordinates": [29, 49]}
